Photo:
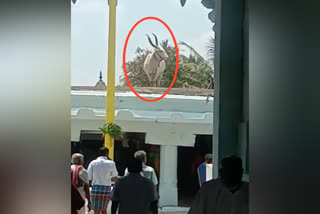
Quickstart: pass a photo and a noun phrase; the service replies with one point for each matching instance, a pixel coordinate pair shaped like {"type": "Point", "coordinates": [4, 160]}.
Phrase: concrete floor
{"type": "Point", "coordinates": [173, 210]}
{"type": "Point", "coordinates": [109, 212]}
{"type": "Point", "coordinates": [159, 212]}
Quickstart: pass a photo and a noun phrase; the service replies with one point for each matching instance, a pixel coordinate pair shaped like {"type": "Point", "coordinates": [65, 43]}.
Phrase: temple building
{"type": "Point", "coordinates": [176, 132]}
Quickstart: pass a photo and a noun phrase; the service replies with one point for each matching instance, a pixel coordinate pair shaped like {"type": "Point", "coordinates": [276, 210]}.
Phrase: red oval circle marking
{"type": "Point", "coordinates": [124, 59]}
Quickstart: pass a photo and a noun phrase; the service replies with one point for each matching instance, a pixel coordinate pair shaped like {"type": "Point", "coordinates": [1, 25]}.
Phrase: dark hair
{"type": "Point", "coordinates": [231, 163]}
{"type": "Point", "coordinates": [231, 170]}
{"type": "Point", "coordinates": [134, 166]}
{"type": "Point", "coordinates": [140, 155]}
{"type": "Point", "coordinates": [103, 151]}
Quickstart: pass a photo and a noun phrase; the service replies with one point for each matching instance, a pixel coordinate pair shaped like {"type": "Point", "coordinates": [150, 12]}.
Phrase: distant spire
{"type": "Point", "coordinates": [100, 84]}
{"type": "Point", "coordinates": [100, 77]}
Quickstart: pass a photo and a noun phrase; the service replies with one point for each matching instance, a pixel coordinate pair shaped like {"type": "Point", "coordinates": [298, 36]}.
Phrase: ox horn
{"type": "Point", "coordinates": [156, 39]}
{"type": "Point", "coordinates": [151, 43]}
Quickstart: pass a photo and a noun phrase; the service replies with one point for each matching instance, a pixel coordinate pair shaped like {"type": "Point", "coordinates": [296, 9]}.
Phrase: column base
{"type": "Point", "coordinates": [168, 195]}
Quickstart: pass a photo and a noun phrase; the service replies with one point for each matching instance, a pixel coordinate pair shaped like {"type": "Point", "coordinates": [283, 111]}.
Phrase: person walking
{"type": "Point", "coordinates": [227, 194]}
{"type": "Point", "coordinates": [134, 194]}
{"type": "Point", "coordinates": [101, 172]}
{"type": "Point", "coordinates": [205, 170]}
{"type": "Point", "coordinates": [80, 180]}
{"type": "Point", "coordinates": [147, 172]}
{"type": "Point", "coordinates": [77, 202]}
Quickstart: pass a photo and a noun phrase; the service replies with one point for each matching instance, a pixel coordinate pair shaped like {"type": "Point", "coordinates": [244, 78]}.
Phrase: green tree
{"type": "Point", "coordinates": [135, 70]}
{"type": "Point", "coordinates": [197, 71]}
{"type": "Point", "coordinates": [194, 71]}
{"type": "Point", "coordinates": [211, 50]}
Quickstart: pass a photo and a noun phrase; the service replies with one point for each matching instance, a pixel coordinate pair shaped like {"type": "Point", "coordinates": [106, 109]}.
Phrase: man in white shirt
{"type": "Point", "coordinates": [147, 171]}
{"type": "Point", "coordinates": [101, 172]}
{"type": "Point", "coordinates": [205, 170]}
{"type": "Point", "coordinates": [225, 195]}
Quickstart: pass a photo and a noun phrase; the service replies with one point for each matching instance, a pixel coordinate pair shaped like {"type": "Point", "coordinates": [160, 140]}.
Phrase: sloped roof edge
{"type": "Point", "coordinates": [152, 90]}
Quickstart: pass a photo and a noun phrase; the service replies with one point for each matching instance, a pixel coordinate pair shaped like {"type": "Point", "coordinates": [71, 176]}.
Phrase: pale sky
{"type": "Point", "coordinates": [89, 32]}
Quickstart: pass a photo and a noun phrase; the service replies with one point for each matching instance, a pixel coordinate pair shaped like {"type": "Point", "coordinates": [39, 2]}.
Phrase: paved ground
{"type": "Point", "coordinates": [159, 212]}
{"type": "Point", "coordinates": [166, 212]}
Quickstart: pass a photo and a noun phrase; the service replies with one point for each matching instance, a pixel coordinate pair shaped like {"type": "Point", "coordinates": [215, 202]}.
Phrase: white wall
{"type": "Point", "coordinates": [181, 134]}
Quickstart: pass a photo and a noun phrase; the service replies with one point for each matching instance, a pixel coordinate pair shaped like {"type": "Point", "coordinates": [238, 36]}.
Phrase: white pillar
{"type": "Point", "coordinates": [168, 176]}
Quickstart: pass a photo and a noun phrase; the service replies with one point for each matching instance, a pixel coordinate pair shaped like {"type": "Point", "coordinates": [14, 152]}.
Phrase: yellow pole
{"type": "Point", "coordinates": [110, 98]}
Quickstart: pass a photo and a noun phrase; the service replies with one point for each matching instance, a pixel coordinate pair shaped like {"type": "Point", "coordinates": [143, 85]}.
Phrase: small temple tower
{"type": "Point", "coordinates": [100, 85]}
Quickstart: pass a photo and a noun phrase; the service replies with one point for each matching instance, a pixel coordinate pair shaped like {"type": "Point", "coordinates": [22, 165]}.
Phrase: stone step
{"type": "Point", "coordinates": [174, 210]}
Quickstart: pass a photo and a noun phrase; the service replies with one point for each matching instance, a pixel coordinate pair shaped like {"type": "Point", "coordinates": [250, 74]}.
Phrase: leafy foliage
{"type": "Point", "coordinates": [210, 4]}
{"type": "Point", "coordinates": [194, 70]}
{"type": "Point", "coordinates": [211, 50]}
{"type": "Point", "coordinates": [113, 130]}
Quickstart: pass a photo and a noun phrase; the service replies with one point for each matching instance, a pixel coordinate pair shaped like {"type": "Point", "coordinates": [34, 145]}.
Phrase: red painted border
{"type": "Point", "coordinates": [124, 59]}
